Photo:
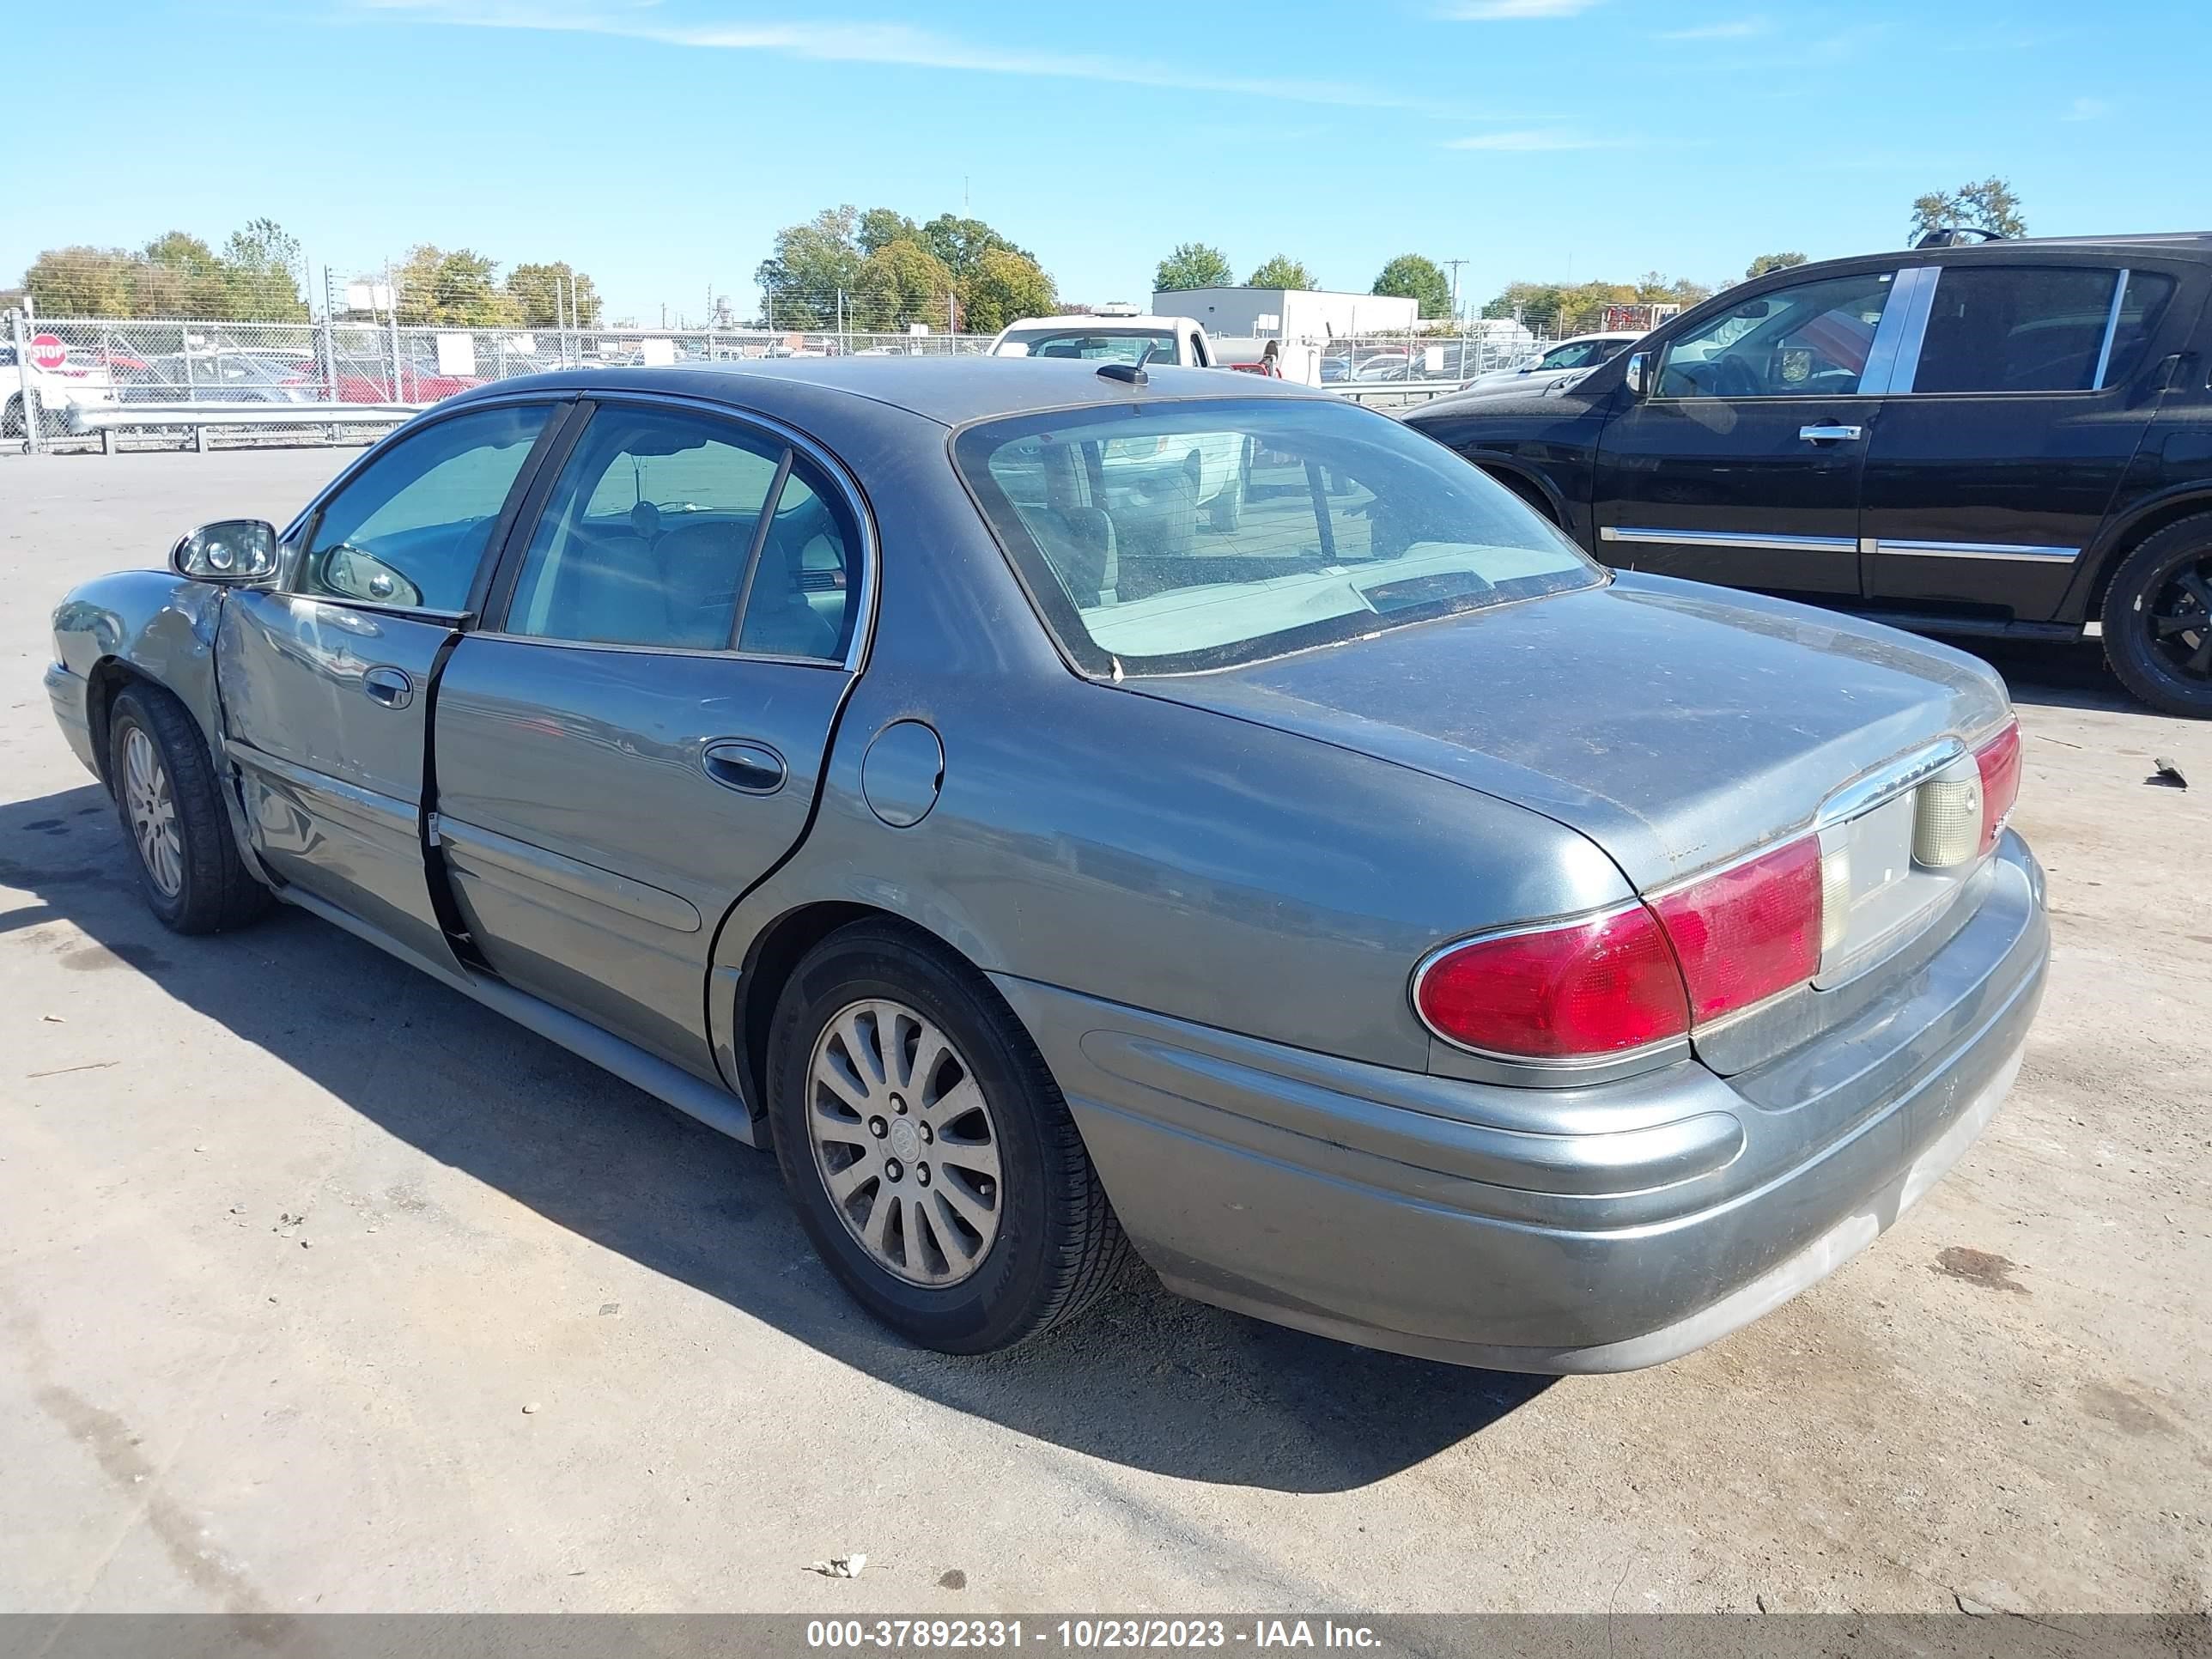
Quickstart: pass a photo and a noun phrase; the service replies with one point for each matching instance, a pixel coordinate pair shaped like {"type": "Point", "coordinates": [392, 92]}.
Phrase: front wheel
{"type": "Point", "coordinates": [172, 809]}
{"type": "Point", "coordinates": [928, 1153]}
{"type": "Point", "coordinates": [2158, 619]}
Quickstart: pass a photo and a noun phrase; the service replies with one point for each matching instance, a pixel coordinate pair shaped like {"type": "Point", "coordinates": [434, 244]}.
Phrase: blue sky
{"type": "Point", "coordinates": [659, 144]}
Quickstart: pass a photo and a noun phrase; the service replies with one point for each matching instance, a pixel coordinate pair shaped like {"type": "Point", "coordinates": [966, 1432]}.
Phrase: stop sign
{"type": "Point", "coordinates": [47, 351]}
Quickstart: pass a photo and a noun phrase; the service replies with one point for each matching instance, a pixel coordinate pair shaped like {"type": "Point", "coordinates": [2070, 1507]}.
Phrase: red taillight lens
{"type": "Point", "coordinates": [1598, 986]}
{"type": "Point", "coordinates": [1748, 931]}
{"type": "Point", "coordinates": [1588, 989]}
{"type": "Point", "coordinates": [1999, 759]}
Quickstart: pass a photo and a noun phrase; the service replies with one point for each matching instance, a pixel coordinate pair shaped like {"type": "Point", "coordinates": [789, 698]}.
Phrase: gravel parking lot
{"type": "Point", "coordinates": [324, 1288]}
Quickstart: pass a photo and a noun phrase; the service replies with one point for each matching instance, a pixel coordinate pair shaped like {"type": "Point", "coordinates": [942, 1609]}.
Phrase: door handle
{"type": "Point", "coordinates": [389, 686]}
{"type": "Point", "coordinates": [1824, 434]}
{"type": "Point", "coordinates": [748, 767]}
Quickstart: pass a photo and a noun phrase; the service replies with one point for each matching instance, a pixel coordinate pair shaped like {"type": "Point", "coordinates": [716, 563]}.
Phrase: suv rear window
{"type": "Point", "coordinates": [1177, 536]}
{"type": "Point", "coordinates": [2026, 328]}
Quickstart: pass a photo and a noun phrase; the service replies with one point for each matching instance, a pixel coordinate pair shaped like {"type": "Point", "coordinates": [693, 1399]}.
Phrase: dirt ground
{"type": "Point", "coordinates": [323, 1288]}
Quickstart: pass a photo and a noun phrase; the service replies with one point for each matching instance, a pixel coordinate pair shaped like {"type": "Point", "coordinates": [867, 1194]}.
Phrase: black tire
{"type": "Point", "coordinates": [2158, 619]}
{"type": "Point", "coordinates": [11, 420]}
{"type": "Point", "coordinates": [215, 891]}
{"type": "Point", "coordinates": [1057, 1245]}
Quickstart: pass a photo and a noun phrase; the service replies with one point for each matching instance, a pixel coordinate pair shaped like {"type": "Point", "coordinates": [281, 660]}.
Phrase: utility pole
{"type": "Point", "coordinates": [1454, 265]}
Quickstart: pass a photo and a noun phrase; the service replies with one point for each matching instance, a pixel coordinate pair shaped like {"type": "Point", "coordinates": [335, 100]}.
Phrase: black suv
{"type": "Point", "coordinates": [2012, 438]}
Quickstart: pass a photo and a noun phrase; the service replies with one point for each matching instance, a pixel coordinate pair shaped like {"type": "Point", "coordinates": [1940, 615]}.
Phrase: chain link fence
{"type": "Point", "coordinates": [82, 379]}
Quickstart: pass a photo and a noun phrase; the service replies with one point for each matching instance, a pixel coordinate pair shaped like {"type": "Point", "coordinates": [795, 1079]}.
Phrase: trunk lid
{"type": "Point", "coordinates": [1677, 725]}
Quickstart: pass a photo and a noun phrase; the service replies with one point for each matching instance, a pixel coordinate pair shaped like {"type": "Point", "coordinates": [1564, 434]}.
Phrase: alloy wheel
{"type": "Point", "coordinates": [2181, 617]}
{"type": "Point", "coordinates": [153, 812]}
{"type": "Point", "coordinates": [904, 1141]}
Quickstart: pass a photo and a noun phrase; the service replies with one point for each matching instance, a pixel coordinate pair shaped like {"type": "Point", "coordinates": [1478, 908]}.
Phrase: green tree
{"type": "Point", "coordinates": [1766, 262]}
{"type": "Point", "coordinates": [1412, 276]}
{"type": "Point", "coordinates": [812, 262]}
{"type": "Point", "coordinates": [1281, 271]}
{"type": "Point", "coordinates": [880, 227]}
{"type": "Point", "coordinates": [449, 287]}
{"type": "Point", "coordinates": [178, 274]}
{"type": "Point", "coordinates": [1192, 265]}
{"type": "Point", "coordinates": [1006, 285]}
{"type": "Point", "coordinates": [962, 243]}
{"type": "Point", "coordinates": [542, 296]}
{"type": "Point", "coordinates": [260, 267]}
{"type": "Point", "coordinates": [81, 282]}
{"type": "Point", "coordinates": [902, 282]}
{"type": "Point", "coordinates": [1989, 204]}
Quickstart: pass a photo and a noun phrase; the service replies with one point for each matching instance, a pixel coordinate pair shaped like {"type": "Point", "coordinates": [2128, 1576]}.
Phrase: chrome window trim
{"type": "Point", "coordinates": [2111, 329]}
{"type": "Point", "coordinates": [1897, 335]}
{"type": "Point", "coordinates": [1912, 329]}
{"type": "Point", "coordinates": [2016, 552]}
{"type": "Point", "coordinates": [720, 652]}
{"type": "Point", "coordinates": [1729, 538]}
{"type": "Point", "coordinates": [840, 479]}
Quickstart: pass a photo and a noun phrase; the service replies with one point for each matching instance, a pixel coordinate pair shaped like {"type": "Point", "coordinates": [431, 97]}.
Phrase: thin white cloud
{"type": "Point", "coordinates": [1742, 29]}
{"type": "Point", "coordinates": [896, 44]}
{"type": "Point", "coordinates": [1500, 11]}
{"type": "Point", "coordinates": [2086, 109]}
{"type": "Point", "coordinates": [1528, 139]}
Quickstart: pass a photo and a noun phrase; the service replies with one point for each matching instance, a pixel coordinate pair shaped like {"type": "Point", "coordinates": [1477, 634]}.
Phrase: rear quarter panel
{"type": "Point", "coordinates": [1196, 864]}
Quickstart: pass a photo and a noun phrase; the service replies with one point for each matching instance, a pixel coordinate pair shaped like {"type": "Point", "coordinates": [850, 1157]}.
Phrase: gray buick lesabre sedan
{"type": "Point", "coordinates": [1388, 921]}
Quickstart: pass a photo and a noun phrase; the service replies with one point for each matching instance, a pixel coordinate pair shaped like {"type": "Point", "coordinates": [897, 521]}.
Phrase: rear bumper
{"type": "Point", "coordinates": [66, 690]}
{"type": "Point", "coordinates": [1591, 1228]}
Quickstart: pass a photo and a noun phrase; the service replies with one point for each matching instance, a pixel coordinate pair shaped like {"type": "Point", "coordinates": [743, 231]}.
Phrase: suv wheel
{"type": "Point", "coordinates": [2158, 619]}
{"type": "Point", "coordinates": [927, 1149]}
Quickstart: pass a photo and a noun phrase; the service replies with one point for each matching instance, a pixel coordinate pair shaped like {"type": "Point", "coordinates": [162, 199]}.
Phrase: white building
{"type": "Point", "coordinates": [1289, 313]}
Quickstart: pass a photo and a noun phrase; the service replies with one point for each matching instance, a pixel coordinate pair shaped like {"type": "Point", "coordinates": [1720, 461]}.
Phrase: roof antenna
{"type": "Point", "coordinates": [1131, 374]}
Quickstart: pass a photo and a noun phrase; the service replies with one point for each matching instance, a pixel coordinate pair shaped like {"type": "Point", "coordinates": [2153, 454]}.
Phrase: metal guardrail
{"type": "Point", "coordinates": [109, 419]}
{"type": "Point", "coordinates": [1389, 396]}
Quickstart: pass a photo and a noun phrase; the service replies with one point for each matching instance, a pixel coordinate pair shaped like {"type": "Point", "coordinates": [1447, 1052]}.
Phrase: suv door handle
{"type": "Point", "coordinates": [751, 769]}
{"type": "Point", "coordinates": [1831, 435]}
{"type": "Point", "coordinates": [389, 686]}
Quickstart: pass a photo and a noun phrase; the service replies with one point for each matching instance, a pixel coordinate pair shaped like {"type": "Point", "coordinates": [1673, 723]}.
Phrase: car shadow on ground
{"type": "Point", "coordinates": [1148, 1379]}
{"type": "Point", "coordinates": [2054, 676]}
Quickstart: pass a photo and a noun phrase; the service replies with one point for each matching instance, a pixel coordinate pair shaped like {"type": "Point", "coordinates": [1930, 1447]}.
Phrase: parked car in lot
{"type": "Point", "coordinates": [1179, 341]}
{"type": "Point", "coordinates": [1389, 920]}
{"type": "Point", "coordinates": [59, 396]}
{"type": "Point", "coordinates": [1553, 365]}
{"type": "Point", "coordinates": [2012, 438]}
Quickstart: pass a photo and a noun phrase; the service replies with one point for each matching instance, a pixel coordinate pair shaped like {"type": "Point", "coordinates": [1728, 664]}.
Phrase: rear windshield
{"type": "Point", "coordinates": [1126, 345]}
{"type": "Point", "coordinates": [1168, 537]}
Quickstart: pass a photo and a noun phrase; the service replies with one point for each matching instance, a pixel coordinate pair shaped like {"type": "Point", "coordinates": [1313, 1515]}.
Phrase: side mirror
{"type": "Point", "coordinates": [1638, 371]}
{"type": "Point", "coordinates": [235, 550]}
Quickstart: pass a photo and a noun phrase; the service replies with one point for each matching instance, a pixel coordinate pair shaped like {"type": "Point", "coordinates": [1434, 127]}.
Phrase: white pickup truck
{"type": "Point", "coordinates": [1219, 464]}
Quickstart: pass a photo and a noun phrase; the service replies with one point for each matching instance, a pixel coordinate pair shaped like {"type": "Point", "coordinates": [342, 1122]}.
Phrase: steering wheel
{"type": "Point", "coordinates": [1732, 378]}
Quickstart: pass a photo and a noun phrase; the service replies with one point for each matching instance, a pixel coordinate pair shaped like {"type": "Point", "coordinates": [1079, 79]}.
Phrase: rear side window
{"type": "Point", "coordinates": [2141, 309]}
{"type": "Point", "coordinates": [645, 539]}
{"type": "Point", "coordinates": [2015, 328]}
{"type": "Point", "coordinates": [805, 585]}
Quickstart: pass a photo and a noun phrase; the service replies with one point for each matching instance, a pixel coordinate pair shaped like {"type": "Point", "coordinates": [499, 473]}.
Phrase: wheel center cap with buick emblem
{"type": "Point", "coordinates": [905, 1141]}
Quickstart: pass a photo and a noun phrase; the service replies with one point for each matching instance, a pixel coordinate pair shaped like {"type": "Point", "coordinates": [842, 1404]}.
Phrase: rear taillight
{"type": "Point", "coordinates": [1604, 985]}
{"type": "Point", "coordinates": [1600, 986]}
{"type": "Point", "coordinates": [1999, 761]}
{"type": "Point", "coordinates": [1749, 931]}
